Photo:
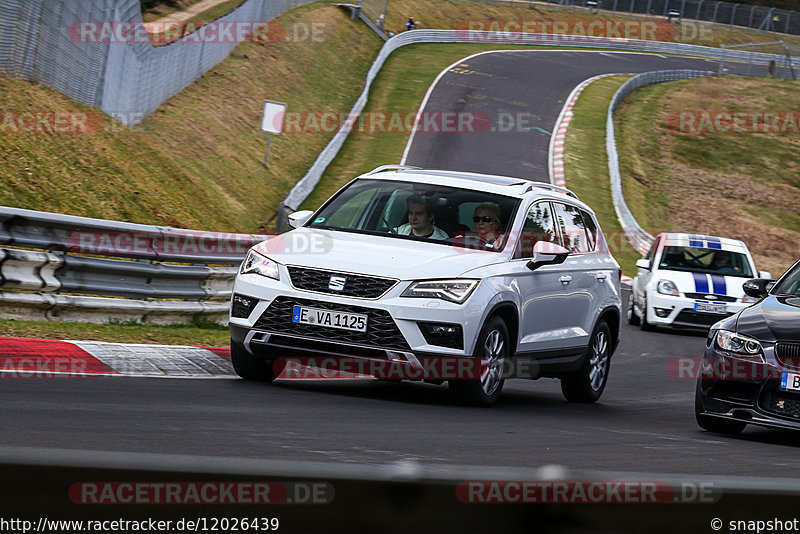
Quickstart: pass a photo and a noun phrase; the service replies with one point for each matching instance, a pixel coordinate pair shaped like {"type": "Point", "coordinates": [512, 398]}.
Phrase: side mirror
{"type": "Point", "coordinates": [765, 274]}
{"type": "Point", "coordinates": [299, 218]}
{"type": "Point", "coordinates": [545, 253]}
{"type": "Point", "coordinates": [643, 263]}
{"type": "Point", "coordinates": [757, 287]}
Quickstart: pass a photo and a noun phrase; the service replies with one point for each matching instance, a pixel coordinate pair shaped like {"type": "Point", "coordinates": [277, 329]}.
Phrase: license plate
{"type": "Point", "coordinates": [329, 318]}
{"type": "Point", "coordinates": [707, 307]}
{"type": "Point", "coordinates": [790, 381]}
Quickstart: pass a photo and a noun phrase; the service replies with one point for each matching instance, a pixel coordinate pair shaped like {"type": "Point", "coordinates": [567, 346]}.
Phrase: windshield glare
{"type": "Point", "coordinates": [790, 285]}
{"type": "Point", "coordinates": [433, 213]}
{"type": "Point", "coordinates": [706, 260]}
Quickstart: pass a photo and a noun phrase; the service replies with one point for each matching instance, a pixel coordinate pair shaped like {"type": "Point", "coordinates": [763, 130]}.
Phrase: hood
{"type": "Point", "coordinates": [772, 319]}
{"type": "Point", "coordinates": [390, 257]}
{"type": "Point", "coordinates": [714, 284]}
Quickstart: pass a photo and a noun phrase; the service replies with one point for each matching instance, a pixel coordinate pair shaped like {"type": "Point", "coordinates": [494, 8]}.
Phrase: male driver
{"type": "Point", "coordinates": [420, 220]}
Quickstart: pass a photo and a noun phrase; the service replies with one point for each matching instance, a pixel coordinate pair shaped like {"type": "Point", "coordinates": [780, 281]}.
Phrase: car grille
{"type": "Point", "coordinates": [699, 319]}
{"type": "Point", "coordinates": [781, 404]}
{"type": "Point", "coordinates": [360, 286]}
{"type": "Point", "coordinates": [382, 332]}
{"type": "Point", "coordinates": [717, 298]}
{"type": "Point", "coordinates": [788, 354]}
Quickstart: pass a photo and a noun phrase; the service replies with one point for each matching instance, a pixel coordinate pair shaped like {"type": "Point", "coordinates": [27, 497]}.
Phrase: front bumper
{"type": "Point", "coordinates": [666, 310]}
{"type": "Point", "coordinates": [741, 390]}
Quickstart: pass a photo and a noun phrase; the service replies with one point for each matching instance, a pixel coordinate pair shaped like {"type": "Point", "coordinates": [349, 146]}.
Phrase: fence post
{"type": "Point", "coordinates": [733, 14]}
{"type": "Point", "coordinates": [633, 3]}
{"type": "Point", "coordinates": [752, 13]}
{"type": "Point", "coordinates": [788, 16]}
{"type": "Point", "coordinates": [699, 9]}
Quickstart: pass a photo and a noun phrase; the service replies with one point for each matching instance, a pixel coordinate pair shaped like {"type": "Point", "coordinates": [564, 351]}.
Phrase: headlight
{"type": "Point", "coordinates": [738, 344]}
{"type": "Point", "coordinates": [452, 290]}
{"type": "Point", "coordinates": [256, 263]}
{"type": "Point", "coordinates": [667, 287]}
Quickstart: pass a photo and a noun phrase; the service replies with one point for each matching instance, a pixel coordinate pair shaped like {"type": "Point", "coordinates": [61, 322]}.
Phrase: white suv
{"type": "Point", "coordinates": [417, 269]}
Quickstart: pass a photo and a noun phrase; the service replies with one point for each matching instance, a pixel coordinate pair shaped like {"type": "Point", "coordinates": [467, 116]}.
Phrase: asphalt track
{"type": "Point", "coordinates": [521, 93]}
{"type": "Point", "coordinates": [643, 423]}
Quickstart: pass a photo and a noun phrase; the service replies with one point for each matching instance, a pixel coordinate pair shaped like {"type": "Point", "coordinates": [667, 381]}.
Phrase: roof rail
{"type": "Point", "coordinates": [551, 187]}
{"type": "Point", "coordinates": [384, 168]}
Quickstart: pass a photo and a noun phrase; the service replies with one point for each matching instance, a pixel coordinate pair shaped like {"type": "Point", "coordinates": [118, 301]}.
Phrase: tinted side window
{"type": "Point", "coordinates": [539, 226]}
{"type": "Point", "coordinates": [591, 228]}
{"type": "Point", "coordinates": [573, 230]}
{"type": "Point", "coordinates": [652, 252]}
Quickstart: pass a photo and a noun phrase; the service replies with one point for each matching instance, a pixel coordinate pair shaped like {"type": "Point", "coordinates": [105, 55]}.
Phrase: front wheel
{"type": "Point", "coordinates": [494, 348]}
{"type": "Point", "coordinates": [251, 367]}
{"type": "Point", "coordinates": [588, 384]}
{"type": "Point", "coordinates": [646, 326]}
{"type": "Point", "coordinates": [633, 319]}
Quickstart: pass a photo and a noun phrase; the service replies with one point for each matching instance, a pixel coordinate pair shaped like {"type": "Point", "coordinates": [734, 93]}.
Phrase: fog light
{"type": "Point", "coordinates": [662, 312]}
{"type": "Point", "coordinates": [242, 306]}
{"type": "Point", "coordinates": [443, 335]}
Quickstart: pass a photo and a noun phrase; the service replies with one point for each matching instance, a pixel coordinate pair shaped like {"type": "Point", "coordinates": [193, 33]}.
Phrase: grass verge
{"type": "Point", "coordinates": [199, 334]}
{"type": "Point", "coordinates": [742, 185]}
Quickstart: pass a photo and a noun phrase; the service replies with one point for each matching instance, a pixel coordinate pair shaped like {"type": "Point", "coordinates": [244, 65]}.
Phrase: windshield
{"type": "Point", "coordinates": [706, 260]}
{"type": "Point", "coordinates": [790, 285]}
{"type": "Point", "coordinates": [407, 210]}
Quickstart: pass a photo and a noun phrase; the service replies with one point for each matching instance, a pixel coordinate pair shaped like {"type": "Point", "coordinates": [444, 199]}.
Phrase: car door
{"type": "Point", "coordinates": [580, 278]}
{"type": "Point", "coordinates": [543, 306]}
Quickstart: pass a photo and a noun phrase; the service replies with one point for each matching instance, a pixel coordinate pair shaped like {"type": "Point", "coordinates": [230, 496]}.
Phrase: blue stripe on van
{"type": "Point", "coordinates": [718, 281]}
{"type": "Point", "coordinates": [700, 283]}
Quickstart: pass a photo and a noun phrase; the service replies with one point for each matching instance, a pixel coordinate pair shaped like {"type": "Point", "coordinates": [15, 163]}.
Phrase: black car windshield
{"type": "Point", "coordinates": [706, 260]}
{"type": "Point", "coordinates": [428, 212]}
{"type": "Point", "coordinates": [790, 285]}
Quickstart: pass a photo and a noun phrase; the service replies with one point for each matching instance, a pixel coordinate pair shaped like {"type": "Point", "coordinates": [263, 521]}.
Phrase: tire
{"type": "Point", "coordinates": [588, 383]}
{"type": "Point", "coordinates": [494, 346]}
{"type": "Point", "coordinates": [633, 319]}
{"type": "Point", "coordinates": [251, 367]}
{"type": "Point", "coordinates": [645, 326]}
{"type": "Point", "coordinates": [713, 424]}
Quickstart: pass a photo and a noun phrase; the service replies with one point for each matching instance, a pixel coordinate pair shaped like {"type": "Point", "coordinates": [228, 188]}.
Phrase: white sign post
{"type": "Point", "coordinates": [272, 122]}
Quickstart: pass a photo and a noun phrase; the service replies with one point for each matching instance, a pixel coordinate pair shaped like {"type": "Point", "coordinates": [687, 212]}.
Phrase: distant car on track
{"type": "Point", "coordinates": [688, 280]}
{"type": "Point", "coordinates": [750, 372]}
{"type": "Point", "coordinates": [503, 272]}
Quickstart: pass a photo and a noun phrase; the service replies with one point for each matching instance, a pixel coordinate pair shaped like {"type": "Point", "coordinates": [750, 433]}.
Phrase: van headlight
{"type": "Point", "coordinates": [451, 290]}
{"type": "Point", "coordinates": [258, 264]}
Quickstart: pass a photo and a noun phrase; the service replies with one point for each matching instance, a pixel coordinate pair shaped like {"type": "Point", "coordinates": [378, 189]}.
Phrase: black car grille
{"type": "Point", "coordinates": [788, 354]}
{"type": "Point", "coordinates": [782, 404]}
{"type": "Point", "coordinates": [717, 298]}
{"type": "Point", "coordinates": [700, 319]}
{"type": "Point", "coordinates": [365, 287]}
{"type": "Point", "coordinates": [382, 332]}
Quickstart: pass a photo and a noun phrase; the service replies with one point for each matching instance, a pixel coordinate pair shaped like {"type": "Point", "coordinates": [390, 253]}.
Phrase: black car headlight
{"type": "Point", "coordinates": [259, 264]}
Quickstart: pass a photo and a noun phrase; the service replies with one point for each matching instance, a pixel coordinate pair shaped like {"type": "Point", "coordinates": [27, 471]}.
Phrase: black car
{"type": "Point", "coordinates": [751, 367]}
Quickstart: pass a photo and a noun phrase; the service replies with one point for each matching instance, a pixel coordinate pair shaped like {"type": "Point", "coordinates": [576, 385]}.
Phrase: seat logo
{"type": "Point", "coordinates": [336, 283]}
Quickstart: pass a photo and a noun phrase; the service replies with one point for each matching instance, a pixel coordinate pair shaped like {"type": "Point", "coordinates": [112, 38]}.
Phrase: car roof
{"type": "Point", "coordinates": [489, 183]}
{"type": "Point", "coordinates": [675, 239]}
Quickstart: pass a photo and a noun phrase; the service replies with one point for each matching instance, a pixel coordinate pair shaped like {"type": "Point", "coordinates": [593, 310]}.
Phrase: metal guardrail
{"type": "Point", "coordinates": [639, 238]}
{"type": "Point", "coordinates": [303, 188]}
{"type": "Point", "coordinates": [99, 258]}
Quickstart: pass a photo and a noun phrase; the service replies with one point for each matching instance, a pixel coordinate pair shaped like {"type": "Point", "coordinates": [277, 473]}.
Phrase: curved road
{"type": "Point", "coordinates": [644, 422]}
